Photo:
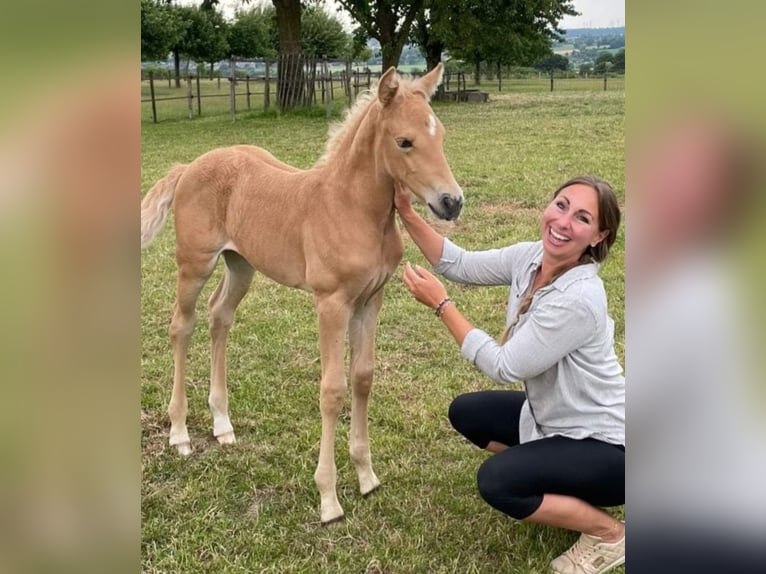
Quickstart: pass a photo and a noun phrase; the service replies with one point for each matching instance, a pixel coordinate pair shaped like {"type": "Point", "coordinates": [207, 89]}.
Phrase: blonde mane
{"type": "Point", "coordinates": [353, 116]}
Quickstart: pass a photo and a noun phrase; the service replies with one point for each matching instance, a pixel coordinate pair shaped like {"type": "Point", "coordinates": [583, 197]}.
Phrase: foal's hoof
{"type": "Point", "coordinates": [226, 438]}
{"type": "Point", "coordinates": [369, 490]}
{"type": "Point", "coordinates": [184, 448]}
{"type": "Point", "coordinates": [368, 483]}
{"type": "Point", "coordinates": [335, 520]}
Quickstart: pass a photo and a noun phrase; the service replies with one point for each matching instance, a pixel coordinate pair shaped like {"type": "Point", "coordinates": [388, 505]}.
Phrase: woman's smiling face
{"type": "Point", "coordinates": [570, 223]}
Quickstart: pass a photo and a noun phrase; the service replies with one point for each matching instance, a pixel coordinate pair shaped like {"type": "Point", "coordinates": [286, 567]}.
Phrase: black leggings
{"type": "Point", "coordinates": [515, 480]}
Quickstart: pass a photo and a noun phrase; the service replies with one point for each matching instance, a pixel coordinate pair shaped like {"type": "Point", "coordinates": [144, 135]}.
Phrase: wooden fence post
{"type": "Point", "coordinates": [604, 81]}
{"type": "Point", "coordinates": [151, 91]}
{"type": "Point", "coordinates": [326, 88]}
{"type": "Point", "coordinates": [199, 98]}
{"type": "Point", "coordinates": [247, 90]}
{"type": "Point", "coordinates": [189, 96]}
{"type": "Point", "coordinates": [232, 90]}
{"type": "Point", "coordinates": [551, 80]}
{"type": "Point", "coordinates": [348, 80]}
{"type": "Point", "coordinates": [266, 89]}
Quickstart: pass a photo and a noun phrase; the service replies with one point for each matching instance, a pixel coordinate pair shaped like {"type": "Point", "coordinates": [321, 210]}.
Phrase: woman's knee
{"type": "Point", "coordinates": [500, 488]}
{"type": "Point", "coordinates": [467, 417]}
{"type": "Point", "coordinates": [460, 411]}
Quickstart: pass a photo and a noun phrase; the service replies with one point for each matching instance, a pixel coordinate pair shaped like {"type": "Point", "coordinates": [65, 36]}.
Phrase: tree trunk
{"type": "Point", "coordinates": [434, 54]}
{"type": "Point", "coordinates": [290, 65]}
{"type": "Point", "coordinates": [433, 57]}
{"type": "Point", "coordinates": [477, 72]}
{"type": "Point", "coordinates": [177, 67]}
{"type": "Point", "coordinates": [391, 49]}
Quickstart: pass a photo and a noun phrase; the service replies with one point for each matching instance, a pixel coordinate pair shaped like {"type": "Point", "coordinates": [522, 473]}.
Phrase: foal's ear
{"type": "Point", "coordinates": [431, 80]}
{"type": "Point", "coordinates": [387, 86]}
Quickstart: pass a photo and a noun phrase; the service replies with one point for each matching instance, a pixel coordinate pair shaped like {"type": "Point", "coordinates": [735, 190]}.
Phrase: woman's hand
{"type": "Point", "coordinates": [423, 285]}
{"type": "Point", "coordinates": [403, 200]}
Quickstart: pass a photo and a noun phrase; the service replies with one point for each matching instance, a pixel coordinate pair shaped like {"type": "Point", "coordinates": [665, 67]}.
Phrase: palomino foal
{"type": "Point", "coordinates": [329, 230]}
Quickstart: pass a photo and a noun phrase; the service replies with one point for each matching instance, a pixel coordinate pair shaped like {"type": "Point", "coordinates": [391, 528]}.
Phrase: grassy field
{"type": "Point", "coordinates": [253, 507]}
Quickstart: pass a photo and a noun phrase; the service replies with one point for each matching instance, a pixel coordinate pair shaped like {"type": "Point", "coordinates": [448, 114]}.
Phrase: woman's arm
{"type": "Point", "coordinates": [428, 290]}
{"type": "Point", "coordinates": [491, 267]}
{"type": "Point", "coordinates": [424, 236]}
{"type": "Point", "coordinates": [552, 331]}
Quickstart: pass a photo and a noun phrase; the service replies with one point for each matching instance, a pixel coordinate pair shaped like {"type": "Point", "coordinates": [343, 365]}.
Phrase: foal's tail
{"type": "Point", "coordinates": [156, 204]}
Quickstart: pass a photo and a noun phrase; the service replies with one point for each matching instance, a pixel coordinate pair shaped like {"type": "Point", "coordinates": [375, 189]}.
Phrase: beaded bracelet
{"type": "Point", "coordinates": [439, 309]}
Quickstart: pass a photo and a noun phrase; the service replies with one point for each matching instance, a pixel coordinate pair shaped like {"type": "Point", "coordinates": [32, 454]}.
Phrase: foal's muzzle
{"type": "Point", "coordinates": [449, 206]}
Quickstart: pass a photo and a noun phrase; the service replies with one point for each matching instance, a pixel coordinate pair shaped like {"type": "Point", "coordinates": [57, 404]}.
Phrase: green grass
{"type": "Point", "coordinates": [254, 507]}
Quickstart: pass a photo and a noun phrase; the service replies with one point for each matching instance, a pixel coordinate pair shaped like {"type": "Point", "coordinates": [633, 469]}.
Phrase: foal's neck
{"type": "Point", "coordinates": [365, 187]}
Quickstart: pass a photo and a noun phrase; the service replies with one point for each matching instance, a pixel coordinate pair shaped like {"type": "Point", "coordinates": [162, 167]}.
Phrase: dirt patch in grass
{"type": "Point", "coordinates": [153, 435]}
{"type": "Point", "coordinates": [260, 498]}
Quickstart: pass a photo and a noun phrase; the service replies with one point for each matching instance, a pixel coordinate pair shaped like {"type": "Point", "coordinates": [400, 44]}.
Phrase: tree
{"type": "Point", "coordinates": [554, 62]}
{"type": "Point", "coordinates": [500, 32]}
{"type": "Point", "coordinates": [604, 61]}
{"type": "Point", "coordinates": [205, 39]}
{"type": "Point", "coordinates": [322, 36]}
{"type": "Point", "coordinates": [388, 21]}
{"type": "Point", "coordinates": [184, 16]}
{"type": "Point", "coordinates": [160, 30]}
{"type": "Point", "coordinates": [619, 62]}
{"type": "Point", "coordinates": [426, 34]}
{"type": "Point", "coordinates": [290, 69]}
{"type": "Point", "coordinates": [250, 35]}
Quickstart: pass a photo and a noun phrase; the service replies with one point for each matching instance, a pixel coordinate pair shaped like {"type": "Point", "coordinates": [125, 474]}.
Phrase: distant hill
{"type": "Point", "coordinates": [572, 33]}
{"type": "Point", "coordinates": [583, 45]}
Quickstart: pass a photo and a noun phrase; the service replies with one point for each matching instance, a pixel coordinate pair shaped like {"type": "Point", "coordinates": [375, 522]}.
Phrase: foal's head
{"type": "Point", "coordinates": [411, 141]}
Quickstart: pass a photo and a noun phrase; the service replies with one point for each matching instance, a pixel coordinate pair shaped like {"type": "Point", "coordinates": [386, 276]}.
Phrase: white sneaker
{"type": "Point", "coordinates": [590, 555]}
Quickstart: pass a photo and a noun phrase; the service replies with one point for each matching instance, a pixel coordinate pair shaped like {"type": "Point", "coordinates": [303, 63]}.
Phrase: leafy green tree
{"type": "Point", "coordinates": [554, 62]}
{"type": "Point", "coordinates": [205, 38]}
{"type": "Point", "coordinates": [619, 62]}
{"type": "Point", "coordinates": [358, 49]}
{"type": "Point", "coordinates": [426, 33]}
{"type": "Point", "coordinates": [322, 35]}
{"type": "Point", "coordinates": [253, 34]}
{"type": "Point", "coordinates": [604, 62]}
{"type": "Point", "coordinates": [161, 29]}
{"type": "Point", "coordinates": [388, 21]}
{"type": "Point", "coordinates": [500, 32]}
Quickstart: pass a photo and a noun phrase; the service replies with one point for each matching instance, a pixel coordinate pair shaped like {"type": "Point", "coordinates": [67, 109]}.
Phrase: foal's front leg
{"type": "Point", "coordinates": [362, 343]}
{"type": "Point", "coordinates": [334, 315]}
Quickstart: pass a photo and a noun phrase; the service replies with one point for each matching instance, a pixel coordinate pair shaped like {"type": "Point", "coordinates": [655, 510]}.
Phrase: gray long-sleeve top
{"type": "Point", "coordinates": [562, 348]}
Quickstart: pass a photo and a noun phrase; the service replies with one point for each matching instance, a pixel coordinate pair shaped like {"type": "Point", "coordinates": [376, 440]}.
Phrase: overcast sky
{"type": "Point", "coordinates": [595, 13]}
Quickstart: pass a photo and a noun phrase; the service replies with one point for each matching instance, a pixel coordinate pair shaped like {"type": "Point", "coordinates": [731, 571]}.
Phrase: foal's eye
{"type": "Point", "coordinates": [404, 143]}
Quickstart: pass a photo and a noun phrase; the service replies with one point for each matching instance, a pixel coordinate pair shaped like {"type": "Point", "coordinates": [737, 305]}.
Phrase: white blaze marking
{"type": "Point", "coordinates": [431, 125]}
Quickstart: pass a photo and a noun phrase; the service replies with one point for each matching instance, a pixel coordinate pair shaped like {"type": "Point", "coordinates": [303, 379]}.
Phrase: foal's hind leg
{"type": "Point", "coordinates": [223, 303]}
{"type": "Point", "coordinates": [191, 279]}
{"type": "Point", "coordinates": [362, 343]}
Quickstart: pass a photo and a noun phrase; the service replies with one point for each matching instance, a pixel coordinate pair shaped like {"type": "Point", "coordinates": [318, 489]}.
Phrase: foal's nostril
{"type": "Point", "coordinates": [451, 206]}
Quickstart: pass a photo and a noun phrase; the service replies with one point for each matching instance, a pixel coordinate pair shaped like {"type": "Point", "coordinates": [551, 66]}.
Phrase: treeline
{"type": "Point", "coordinates": [495, 33]}
{"type": "Point", "coordinates": [201, 34]}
